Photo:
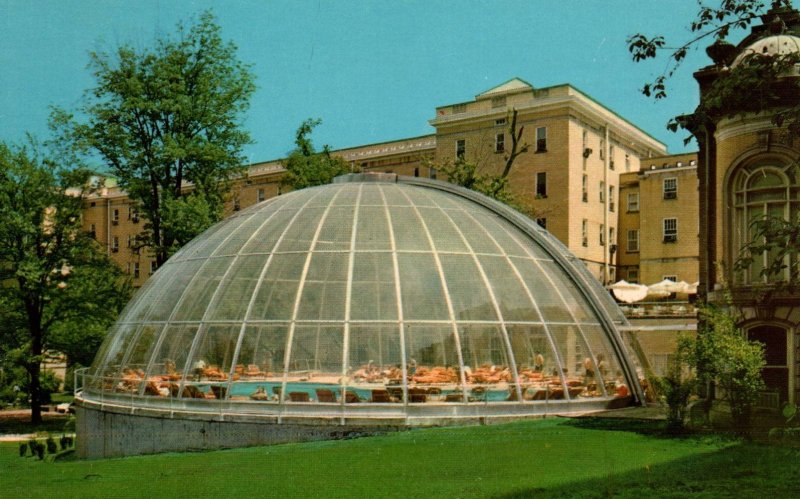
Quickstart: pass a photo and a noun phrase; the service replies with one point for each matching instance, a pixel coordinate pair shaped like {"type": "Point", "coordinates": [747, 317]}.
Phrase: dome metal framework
{"type": "Point", "coordinates": [377, 296]}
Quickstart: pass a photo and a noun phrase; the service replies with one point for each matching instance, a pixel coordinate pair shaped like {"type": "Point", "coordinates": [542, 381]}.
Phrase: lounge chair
{"type": "Point", "coordinates": [381, 396]}
{"type": "Point", "coordinates": [351, 397]}
{"type": "Point", "coordinates": [299, 397]}
{"type": "Point", "coordinates": [325, 395]}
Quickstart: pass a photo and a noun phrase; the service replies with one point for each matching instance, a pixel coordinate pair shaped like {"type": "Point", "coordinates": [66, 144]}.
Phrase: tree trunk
{"type": "Point", "coordinates": [34, 370]}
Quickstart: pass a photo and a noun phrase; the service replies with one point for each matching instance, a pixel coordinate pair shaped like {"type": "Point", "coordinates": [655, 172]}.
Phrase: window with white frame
{"type": "Point", "coordinates": [612, 237]}
{"type": "Point", "coordinates": [670, 188]}
{"type": "Point", "coordinates": [500, 142]}
{"type": "Point", "coordinates": [633, 275]}
{"type": "Point", "coordinates": [541, 139]}
{"type": "Point", "coordinates": [671, 277]}
{"type": "Point", "coordinates": [611, 157]}
{"type": "Point", "coordinates": [670, 230]}
{"type": "Point", "coordinates": [585, 232]}
{"type": "Point", "coordinates": [610, 198]}
{"type": "Point", "coordinates": [602, 148]}
{"type": "Point", "coordinates": [602, 235]}
{"type": "Point", "coordinates": [115, 244]}
{"type": "Point", "coordinates": [461, 148]}
{"type": "Point", "coordinates": [602, 192]}
{"type": "Point", "coordinates": [633, 240]}
{"type": "Point", "coordinates": [135, 270]}
{"type": "Point", "coordinates": [633, 202]}
{"type": "Point", "coordinates": [585, 189]}
{"type": "Point", "coordinates": [260, 195]}
{"type": "Point", "coordinates": [541, 185]}
{"type": "Point", "coordinates": [115, 216]}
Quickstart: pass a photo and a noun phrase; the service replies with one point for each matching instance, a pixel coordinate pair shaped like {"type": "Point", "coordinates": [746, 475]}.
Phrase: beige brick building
{"type": "Point", "coordinates": [658, 220]}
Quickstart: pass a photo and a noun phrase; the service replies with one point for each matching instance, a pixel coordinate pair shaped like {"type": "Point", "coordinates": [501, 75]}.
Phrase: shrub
{"type": "Point", "coordinates": [23, 449]}
{"type": "Point", "coordinates": [52, 447]}
{"type": "Point", "coordinates": [678, 384]}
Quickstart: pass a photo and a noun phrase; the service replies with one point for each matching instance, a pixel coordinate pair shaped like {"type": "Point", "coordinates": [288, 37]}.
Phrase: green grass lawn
{"type": "Point", "coordinates": [542, 458]}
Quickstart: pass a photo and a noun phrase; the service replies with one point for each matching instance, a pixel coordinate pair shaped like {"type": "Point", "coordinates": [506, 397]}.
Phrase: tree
{"type": "Point", "coordinates": [305, 167]}
{"type": "Point", "coordinates": [470, 174]}
{"type": "Point", "coordinates": [162, 119]}
{"type": "Point", "coordinates": [57, 289]}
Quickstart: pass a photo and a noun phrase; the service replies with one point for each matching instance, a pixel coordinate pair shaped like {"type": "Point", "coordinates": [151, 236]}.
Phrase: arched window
{"type": "Point", "coordinates": [761, 192]}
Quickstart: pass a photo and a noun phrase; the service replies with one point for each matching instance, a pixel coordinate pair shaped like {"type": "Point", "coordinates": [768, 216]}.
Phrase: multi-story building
{"type": "Point", "coordinates": [570, 175]}
{"type": "Point", "coordinates": [658, 221]}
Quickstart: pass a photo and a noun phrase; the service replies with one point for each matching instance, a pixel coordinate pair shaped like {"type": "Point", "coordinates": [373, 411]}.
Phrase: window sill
{"type": "Point", "coordinates": [540, 151]}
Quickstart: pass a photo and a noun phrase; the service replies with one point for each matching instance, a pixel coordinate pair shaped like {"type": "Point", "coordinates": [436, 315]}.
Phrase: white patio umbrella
{"type": "Point", "coordinates": [628, 292]}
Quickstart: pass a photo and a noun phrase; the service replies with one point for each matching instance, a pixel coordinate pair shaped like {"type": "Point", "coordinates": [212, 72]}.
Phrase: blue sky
{"type": "Point", "coordinates": [372, 71]}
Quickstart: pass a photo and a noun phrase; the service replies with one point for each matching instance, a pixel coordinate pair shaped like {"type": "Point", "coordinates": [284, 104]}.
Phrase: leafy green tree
{"type": "Point", "coordinates": [162, 117]}
{"type": "Point", "coordinates": [58, 290]}
{"type": "Point", "coordinates": [305, 166]}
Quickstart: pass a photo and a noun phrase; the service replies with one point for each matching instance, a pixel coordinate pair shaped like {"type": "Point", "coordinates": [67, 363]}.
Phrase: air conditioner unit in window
{"type": "Point", "coordinates": [115, 222]}
{"type": "Point", "coordinates": [587, 152]}
{"type": "Point", "coordinates": [114, 250]}
{"type": "Point", "coordinates": [670, 238]}
{"type": "Point", "coordinates": [671, 195]}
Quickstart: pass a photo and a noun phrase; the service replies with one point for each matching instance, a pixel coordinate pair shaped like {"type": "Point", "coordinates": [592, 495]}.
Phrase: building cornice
{"type": "Point", "coordinates": [575, 101]}
{"type": "Point", "coordinates": [728, 128]}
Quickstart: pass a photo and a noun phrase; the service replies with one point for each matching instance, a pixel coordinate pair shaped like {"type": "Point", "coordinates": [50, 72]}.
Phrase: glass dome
{"type": "Point", "coordinates": [376, 291]}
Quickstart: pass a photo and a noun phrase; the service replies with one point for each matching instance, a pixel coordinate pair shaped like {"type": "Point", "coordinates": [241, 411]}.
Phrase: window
{"type": "Point", "coordinates": [115, 244]}
{"type": "Point", "coordinates": [627, 162]}
{"type": "Point", "coordinates": [93, 231]}
{"type": "Point", "coordinates": [585, 189]}
{"type": "Point", "coordinates": [670, 188]}
{"type": "Point", "coordinates": [758, 193]}
{"type": "Point", "coordinates": [461, 148]}
{"type": "Point", "coordinates": [611, 157]}
{"type": "Point", "coordinates": [672, 278]}
{"type": "Point", "coordinates": [500, 142]}
{"type": "Point", "coordinates": [153, 267]}
{"type": "Point", "coordinates": [432, 173]}
{"type": "Point", "coordinates": [602, 235]}
{"type": "Point", "coordinates": [541, 185]}
{"type": "Point", "coordinates": [115, 216]}
{"type": "Point", "coordinates": [501, 121]}
{"type": "Point", "coordinates": [633, 240]}
{"type": "Point", "coordinates": [602, 148]}
{"type": "Point", "coordinates": [542, 222]}
{"type": "Point", "coordinates": [459, 108]}
{"type": "Point", "coordinates": [135, 270]}
{"type": "Point", "coordinates": [260, 195]}
{"type": "Point", "coordinates": [541, 139]}
{"type": "Point", "coordinates": [135, 216]}
{"type": "Point", "coordinates": [633, 202]}
{"type": "Point", "coordinates": [585, 147]}
{"type": "Point", "coordinates": [236, 205]}
{"type": "Point", "coordinates": [499, 101]}
{"type": "Point", "coordinates": [585, 232]}
{"type": "Point", "coordinates": [670, 230]}
{"type": "Point", "coordinates": [612, 239]}
{"type": "Point", "coordinates": [610, 198]}
{"type": "Point", "coordinates": [129, 241]}
{"type": "Point", "coordinates": [633, 276]}
{"type": "Point", "coordinates": [602, 192]}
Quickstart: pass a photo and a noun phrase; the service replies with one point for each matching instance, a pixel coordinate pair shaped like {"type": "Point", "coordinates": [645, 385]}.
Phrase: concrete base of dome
{"type": "Point", "coordinates": [106, 433]}
{"type": "Point", "coordinates": [114, 430]}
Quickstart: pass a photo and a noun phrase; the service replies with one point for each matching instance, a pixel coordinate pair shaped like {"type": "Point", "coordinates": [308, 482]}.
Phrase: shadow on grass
{"type": "Point", "coordinates": [737, 470]}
